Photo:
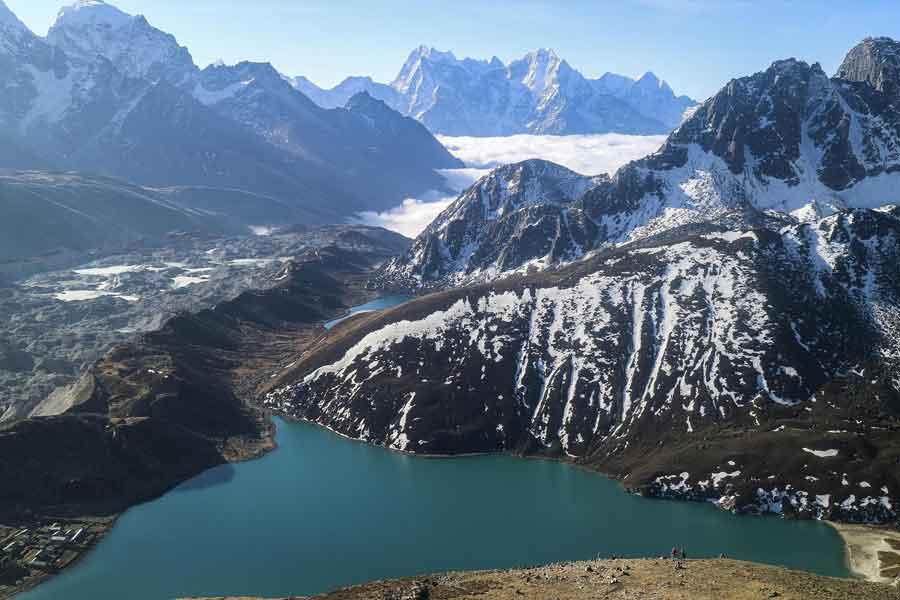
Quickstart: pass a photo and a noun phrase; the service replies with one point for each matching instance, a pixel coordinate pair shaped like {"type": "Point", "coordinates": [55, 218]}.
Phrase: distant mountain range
{"type": "Point", "coordinates": [539, 93]}
{"type": "Point", "coordinates": [105, 92]}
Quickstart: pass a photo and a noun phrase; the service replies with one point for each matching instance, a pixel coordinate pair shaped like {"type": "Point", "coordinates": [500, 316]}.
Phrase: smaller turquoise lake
{"type": "Point", "coordinates": [379, 304]}
{"type": "Point", "coordinates": [324, 512]}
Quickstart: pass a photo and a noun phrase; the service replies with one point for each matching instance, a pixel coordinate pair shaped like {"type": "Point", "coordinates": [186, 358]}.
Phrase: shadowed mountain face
{"type": "Point", "coordinates": [107, 92]}
{"type": "Point", "coordinates": [539, 93]}
{"type": "Point", "coordinates": [45, 212]}
{"type": "Point", "coordinates": [722, 321]}
{"type": "Point", "coordinates": [788, 141]}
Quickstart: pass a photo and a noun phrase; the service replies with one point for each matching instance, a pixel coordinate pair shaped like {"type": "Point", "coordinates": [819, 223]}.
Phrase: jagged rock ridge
{"type": "Point", "coordinates": [539, 93]}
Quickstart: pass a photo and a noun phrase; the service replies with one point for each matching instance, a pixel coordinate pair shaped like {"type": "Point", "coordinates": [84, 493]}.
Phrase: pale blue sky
{"type": "Point", "coordinates": [696, 45]}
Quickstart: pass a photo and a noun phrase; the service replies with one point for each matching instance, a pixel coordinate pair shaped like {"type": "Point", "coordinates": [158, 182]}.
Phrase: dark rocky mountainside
{"type": "Point", "coordinates": [367, 151]}
{"type": "Point", "coordinates": [876, 61]}
{"type": "Point", "coordinates": [172, 403]}
{"type": "Point", "coordinates": [726, 327]}
{"type": "Point", "coordinates": [520, 215]}
{"type": "Point", "coordinates": [44, 212]}
{"type": "Point", "coordinates": [707, 365]}
{"type": "Point", "coordinates": [788, 140]}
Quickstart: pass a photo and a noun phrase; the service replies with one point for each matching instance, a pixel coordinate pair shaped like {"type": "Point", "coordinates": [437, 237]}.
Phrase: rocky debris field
{"type": "Point", "coordinates": [56, 323]}
{"type": "Point", "coordinates": [623, 579]}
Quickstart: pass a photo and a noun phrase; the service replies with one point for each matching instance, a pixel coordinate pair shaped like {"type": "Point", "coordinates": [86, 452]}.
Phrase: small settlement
{"type": "Point", "coordinates": [29, 554]}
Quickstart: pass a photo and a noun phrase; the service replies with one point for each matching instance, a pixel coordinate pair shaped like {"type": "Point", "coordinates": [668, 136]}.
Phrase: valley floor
{"type": "Point", "coordinates": [624, 579]}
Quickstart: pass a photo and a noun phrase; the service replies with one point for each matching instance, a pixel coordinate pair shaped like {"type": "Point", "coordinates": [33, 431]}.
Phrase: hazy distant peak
{"type": "Point", "coordinates": [650, 82]}
{"type": "Point", "coordinates": [542, 54]}
{"type": "Point", "coordinates": [9, 21]}
{"type": "Point", "coordinates": [91, 12]}
{"type": "Point", "coordinates": [357, 79]}
{"type": "Point", "coordinates": [432, 53]}
{"type": "Point", "coordinates": [649, 78]}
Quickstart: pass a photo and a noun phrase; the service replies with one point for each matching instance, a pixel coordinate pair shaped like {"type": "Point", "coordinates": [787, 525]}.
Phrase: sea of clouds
{"type": "Point", "coordinates": [586, 154]}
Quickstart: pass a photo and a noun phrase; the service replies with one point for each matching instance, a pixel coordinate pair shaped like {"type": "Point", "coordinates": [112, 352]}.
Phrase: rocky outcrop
{"type": "Point", "coordinates": [875, 61]}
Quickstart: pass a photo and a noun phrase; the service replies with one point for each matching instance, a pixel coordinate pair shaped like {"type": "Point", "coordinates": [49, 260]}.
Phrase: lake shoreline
{"type": "Point", "coordinates": [592, 545]}
{"type": "Point", "coordinates": [241, 452]}
{"type": "Point", "coordinates": [870, 550]}
{"type": "Point", "coordinates": [859, 568]}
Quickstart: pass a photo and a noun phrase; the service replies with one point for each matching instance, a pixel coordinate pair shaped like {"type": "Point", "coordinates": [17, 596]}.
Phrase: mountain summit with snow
{"type": "Point", "coordinates": [539, 93]}
{"type": "Point", "coordinates": [8, 20]}
{"type": "Point", "coordinates": [92, 28]}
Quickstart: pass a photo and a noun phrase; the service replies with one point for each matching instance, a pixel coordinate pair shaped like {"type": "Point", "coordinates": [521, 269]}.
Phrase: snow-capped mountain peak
{"type": "Point", "coordinates": [423, 53]}
{"type": "Point", "coordinates": [432, 54]}
{"type": "Point", "coordinates": [542, 55]}
{"type": "Point", "coordinates": [649, 81]}
{"type": "Point", "coordinates": [8, 19]}
{"type": "Point", "coordinates": [538, 93]}
{"type": "Point", "coordinates": [91, 12]}
{"type": "Point", "coordinates": [91, 28]}
{"type": "Point", "coordinates": [544, 70]}
{"type": "Point", "coordinates": [12, 30]}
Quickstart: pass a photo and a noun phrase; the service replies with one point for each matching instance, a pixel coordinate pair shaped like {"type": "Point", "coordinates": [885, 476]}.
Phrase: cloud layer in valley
{"type": "Point", "coordinates": [411, 217]}
{"type": "Point", "coordinates": [586, 154]}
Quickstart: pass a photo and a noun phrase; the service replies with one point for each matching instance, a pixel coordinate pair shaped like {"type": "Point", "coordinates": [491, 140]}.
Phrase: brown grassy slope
{"type": "Point", "coordinates": [646, 579]}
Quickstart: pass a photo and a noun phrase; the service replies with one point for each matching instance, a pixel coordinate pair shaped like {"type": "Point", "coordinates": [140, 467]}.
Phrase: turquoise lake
{"type": "Point", "coordinates": [377, 304]}
{"type": "Point", "coordinates": [323, 512]}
